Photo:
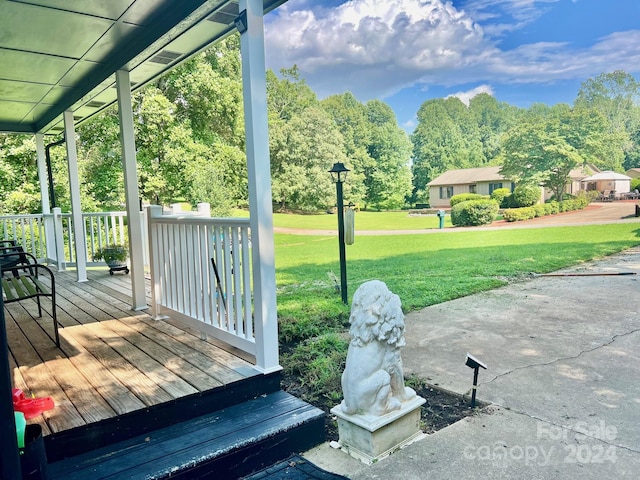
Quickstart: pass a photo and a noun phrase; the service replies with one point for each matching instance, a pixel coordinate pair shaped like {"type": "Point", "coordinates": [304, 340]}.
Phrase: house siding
{"type": "Point", "coordinates": [482, 188]}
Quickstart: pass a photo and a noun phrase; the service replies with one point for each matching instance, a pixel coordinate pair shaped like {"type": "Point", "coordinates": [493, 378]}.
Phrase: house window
{"type": "Point", "coordinates": [494, 186]}
{"type": "Point", "coordinates": [446, 192]}
{"type": "Point", "coordinates": [473, 189]}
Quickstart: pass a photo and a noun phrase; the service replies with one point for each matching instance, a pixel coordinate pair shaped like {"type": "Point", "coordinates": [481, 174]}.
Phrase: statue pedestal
{"type": "Point", "coordinates": [370, 438]}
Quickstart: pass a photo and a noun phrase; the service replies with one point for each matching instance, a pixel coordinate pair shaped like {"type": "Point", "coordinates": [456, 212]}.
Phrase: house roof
{"type": "Point", "coordinates": [606, 175]}
{"type": "Point", "coordinates": [583, 171]}
{"type": "Point", "coordinates": [633, 172]}
{"type": "Point", "coordinates": [58, 55]}
{"type": "Point", "coordinates": [468, 176]}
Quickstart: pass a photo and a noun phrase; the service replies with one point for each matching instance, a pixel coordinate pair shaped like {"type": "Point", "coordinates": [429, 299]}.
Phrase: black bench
{"type": "Point", "coordinates": [22, 279]}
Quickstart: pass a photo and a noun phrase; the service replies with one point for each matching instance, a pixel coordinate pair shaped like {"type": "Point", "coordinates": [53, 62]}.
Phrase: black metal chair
{"type": "Point", "coordinates": [21, 280]}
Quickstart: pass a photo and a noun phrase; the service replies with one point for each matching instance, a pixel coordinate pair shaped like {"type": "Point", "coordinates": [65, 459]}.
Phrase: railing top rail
{"type": "Point", "coordinates": [17, 217]}
{"type": "Point", "coordinates": [195, 220]}
{"type": "Point", "coordinates": [104, 214]}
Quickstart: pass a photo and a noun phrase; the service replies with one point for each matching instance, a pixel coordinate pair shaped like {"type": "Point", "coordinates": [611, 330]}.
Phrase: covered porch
{"type": "Point", "coordinates": [125, 369]}
{"type": "Point", "coordinates": [111, 361]}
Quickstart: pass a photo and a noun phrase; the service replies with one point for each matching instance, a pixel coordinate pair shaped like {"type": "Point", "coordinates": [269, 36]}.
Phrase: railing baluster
{"type": "Point", "coordinates": [185, 251]}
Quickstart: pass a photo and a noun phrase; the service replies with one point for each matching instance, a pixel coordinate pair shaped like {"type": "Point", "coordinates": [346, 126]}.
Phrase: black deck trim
{"type": "Point", "coordinates": [228, 443]}
{"type": "Point", "coordinates": [79, 440]}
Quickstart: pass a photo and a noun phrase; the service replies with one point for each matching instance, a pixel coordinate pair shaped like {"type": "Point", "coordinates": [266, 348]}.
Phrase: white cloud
{"type": "Point", "coordinates": [465, 97]}
{"type": "Point", "coordinates": [375, 48]}
{"type": "Point", "coordinates": [372, 48]}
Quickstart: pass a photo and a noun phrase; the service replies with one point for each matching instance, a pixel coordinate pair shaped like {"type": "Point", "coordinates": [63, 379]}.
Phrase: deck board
{"type": "Point", "coordinates": [112, 360]}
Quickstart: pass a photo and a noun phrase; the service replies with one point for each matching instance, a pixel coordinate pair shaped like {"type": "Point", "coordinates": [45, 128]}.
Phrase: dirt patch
{"type": "Point", "coordinates": [441, 408]}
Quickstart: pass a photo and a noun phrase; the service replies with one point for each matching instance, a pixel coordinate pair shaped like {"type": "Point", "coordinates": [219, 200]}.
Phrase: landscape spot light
{"type": "Point", "coordinates": [473, 362]}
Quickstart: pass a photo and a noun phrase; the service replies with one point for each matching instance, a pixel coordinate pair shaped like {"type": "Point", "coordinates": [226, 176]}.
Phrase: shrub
{"type": "Point", "coordinates": [474, 212]}
{"type": "Point", "coordinates": [465, 197]}
{"type": "Point", "coordinates": [526, 195]}
{"type": "Point", "coordinates": [500, 195]}
{"type": "Point", "coordinates": [554, 207]}
{"type": "Point", "coordinates": [540, 210]}
{"type": "Point", "coordinates": [519, 214]}
{"type": "Point", "coordinates": [635, 183]}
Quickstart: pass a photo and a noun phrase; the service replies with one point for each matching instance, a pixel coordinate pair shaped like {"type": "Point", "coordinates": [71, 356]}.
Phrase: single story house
{"type": "Point", "coordinates": [482, 180]}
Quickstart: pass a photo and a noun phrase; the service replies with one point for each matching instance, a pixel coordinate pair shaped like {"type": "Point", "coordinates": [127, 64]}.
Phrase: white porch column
{"type": "Point", "coordinates": [132, 195]}
{"type": "Point", "coordinates": [254, 86]}
{"type": "Point", "coordinates": [80, 241]}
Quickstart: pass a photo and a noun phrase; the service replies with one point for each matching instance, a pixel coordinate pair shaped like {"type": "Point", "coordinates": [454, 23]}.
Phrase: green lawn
{"type": "Point", "coordinates": [363, 221]}
{"type": "Point", "coordinates": [422, 269]}
{"type": "Point", "coordinates": [425, 269]}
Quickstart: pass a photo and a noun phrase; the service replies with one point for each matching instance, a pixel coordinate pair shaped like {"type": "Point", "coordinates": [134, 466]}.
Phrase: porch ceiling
{"type": "Point", "coordinates": [58, 55]}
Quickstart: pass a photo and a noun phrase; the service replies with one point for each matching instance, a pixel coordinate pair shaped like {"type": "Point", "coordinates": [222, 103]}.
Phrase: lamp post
{"type": "Point", "coordinates": [339, 174]}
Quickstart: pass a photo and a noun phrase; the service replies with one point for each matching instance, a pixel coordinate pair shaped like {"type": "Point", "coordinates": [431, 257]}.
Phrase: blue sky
{"type": "Point", "coordinates": [405, 52]}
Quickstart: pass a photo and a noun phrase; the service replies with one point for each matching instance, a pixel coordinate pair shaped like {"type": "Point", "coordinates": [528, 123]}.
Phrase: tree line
{"type": "Point", "coordinates": [189, 129]}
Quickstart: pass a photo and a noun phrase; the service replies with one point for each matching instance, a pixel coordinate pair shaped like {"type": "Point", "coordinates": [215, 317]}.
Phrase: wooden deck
{"type": "Point", "coordinates": [112, 360]}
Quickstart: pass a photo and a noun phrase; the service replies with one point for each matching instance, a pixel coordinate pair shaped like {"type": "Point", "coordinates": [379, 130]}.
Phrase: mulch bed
{"type": "Point", "coordinates": [441, 409]}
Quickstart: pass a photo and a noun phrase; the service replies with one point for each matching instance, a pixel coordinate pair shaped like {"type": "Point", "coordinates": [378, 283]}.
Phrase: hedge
{"type": "Point", "coordinates": [465, 197]}
{"type": "Point", "coordinates": [474, 212]}
{"type": "Point", "coordinates": [551, 208]}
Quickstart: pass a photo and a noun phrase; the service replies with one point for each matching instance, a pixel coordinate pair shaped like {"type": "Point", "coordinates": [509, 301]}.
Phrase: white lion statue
{"type": "Point", "coordinates": [372, 381]}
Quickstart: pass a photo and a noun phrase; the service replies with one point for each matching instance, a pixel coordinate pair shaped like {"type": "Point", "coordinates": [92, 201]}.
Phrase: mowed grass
{"type": "Point", "coordinates": [363, 221]}
{"type": "Point", "coordinates": [425, 269]}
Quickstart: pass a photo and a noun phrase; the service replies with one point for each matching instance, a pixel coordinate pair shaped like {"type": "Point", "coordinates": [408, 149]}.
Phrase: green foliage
{"type": "Point", "coordinates": [112, 254]}
{"type": "Point", "coordinates": [474, 212]}
{"type": "Point", "coordinates": [549, 143]}
{"type": "Point", "coordinates": [616, 95]}
{"type": "Point", "coordinates": [500, 195]}
{"type": "Point", "coordinates": [463, 197]}
{"type": "Point", "coordinates": [635, 184]}
{"type": "Point", "coordinates": [526, 195]}
{"type": "Point", "coordinates": [527, 213]}
{"type": "Point", "coordinates": [318, 364]}
{"type": "Point", "coordinates": [518, 214]}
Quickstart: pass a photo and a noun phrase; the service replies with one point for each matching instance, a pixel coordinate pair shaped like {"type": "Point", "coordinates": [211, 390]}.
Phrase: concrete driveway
{"type": "Point", "coordinates": [563, 381]}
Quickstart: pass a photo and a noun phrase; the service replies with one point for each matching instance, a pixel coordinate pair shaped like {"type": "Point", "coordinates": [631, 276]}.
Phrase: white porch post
{"type": "Point", "coordinates": [80, 241]}
{"type": "Point", "coordinates": [132, 195]}
{"type": "Point", "coordinates": [43, 178]}
{"type": "Point", "coordinates": [254, 86]}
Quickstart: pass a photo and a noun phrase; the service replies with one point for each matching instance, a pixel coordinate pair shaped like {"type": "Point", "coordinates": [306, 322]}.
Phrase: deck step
{"type": "Point", "coordinates": [228, 443]}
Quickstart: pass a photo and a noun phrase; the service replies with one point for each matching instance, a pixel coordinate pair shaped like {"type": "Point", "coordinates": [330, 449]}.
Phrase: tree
{"type": "Point", "coordinates": [438, 146]}
{"type": "Point", "coordinates": [616, 96]}
{"type": "Point", "coordinates": [388, 181]}
{"type": "Point", "coordinates": [544, 148]}
{"type": "Point", "coordinates": [302, 152]}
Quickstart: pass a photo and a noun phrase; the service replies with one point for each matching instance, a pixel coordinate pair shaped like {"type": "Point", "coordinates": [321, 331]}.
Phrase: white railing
{"type": "Point", "coordinates": [201, 275]}
{"type": "Point", "coordinates": [50, 238]}
{"type": "Point", "coordinates": [27, 231]}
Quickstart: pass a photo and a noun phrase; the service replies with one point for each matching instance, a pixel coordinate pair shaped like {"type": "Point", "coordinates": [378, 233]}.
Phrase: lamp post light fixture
{"type": "Point", "coordinates": [339, 174]}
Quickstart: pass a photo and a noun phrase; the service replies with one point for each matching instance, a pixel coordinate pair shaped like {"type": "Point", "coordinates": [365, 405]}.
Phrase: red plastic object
{"type": "Point", "coordinates": [31, 407]}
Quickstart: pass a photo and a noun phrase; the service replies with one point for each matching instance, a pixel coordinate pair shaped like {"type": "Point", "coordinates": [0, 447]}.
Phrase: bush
{"type": "Point", "coordinates": [540, 210]}
{"type": "Point", "coordinates": [500, 195]}
{"type": "Point", "coordinates": [635, 183]}
{"type": "Point", "coordinates": [519, 214]}
{"type": "Point", "coordinates": [526, 195]}
{"type": "Point", "coordinates": [554, 207]}
{"type": "Point", "coordinates": [474, 212]}
{"type": "Point", "coordinates": [465, 197]}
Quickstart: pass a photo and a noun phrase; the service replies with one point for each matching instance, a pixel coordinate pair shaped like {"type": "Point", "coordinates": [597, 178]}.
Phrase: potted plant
{"type": "Point", "coordinates": [115, 256]}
